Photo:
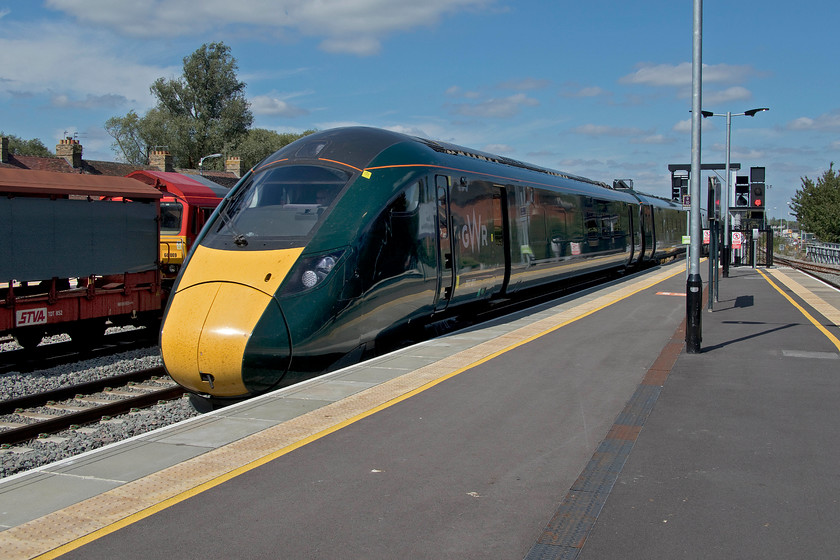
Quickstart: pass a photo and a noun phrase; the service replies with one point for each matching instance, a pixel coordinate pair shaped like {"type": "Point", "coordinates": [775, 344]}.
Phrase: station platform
{"type": "Point", "coordinates": [579, 429]}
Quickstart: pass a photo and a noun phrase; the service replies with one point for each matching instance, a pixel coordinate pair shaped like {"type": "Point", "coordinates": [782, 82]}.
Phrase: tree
{"type": "Point", "coordinates": [129, 140]}
{"type": "Point", "coordinates": [817, 206]}
{"type": "Point", "coordinates": [20, 147]}
{"type": "Point", "coordinates": [196, 114]}
{"type": "Point", "coordinates": [259, 143]}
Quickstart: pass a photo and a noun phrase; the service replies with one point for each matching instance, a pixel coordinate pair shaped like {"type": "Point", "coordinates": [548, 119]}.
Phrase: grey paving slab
{"type": "Point", "coordinates": [374, 374]}
{"type": "Point", "coordinates": [333, 390]}
{"type": "Point", "coordinates": [37, 495]}
{"type": "Point", "coordinates": [129, 462]}
{"type": "Point", "coordinates": [276, 409]}
{"type": "Point", "coordinates": [215, 432]}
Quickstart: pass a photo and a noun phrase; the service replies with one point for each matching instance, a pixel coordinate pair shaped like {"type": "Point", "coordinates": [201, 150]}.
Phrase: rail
{"type": "Point", "coordinates": [91, 412]}
{"type": "Point", "coordinates": [828, 274]}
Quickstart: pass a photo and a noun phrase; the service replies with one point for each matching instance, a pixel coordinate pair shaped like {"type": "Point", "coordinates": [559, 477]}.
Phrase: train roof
{"type": "Point", "coordinates": [195, 189]}
{"type": "Point", "coordinates": [358, 146]}
{"type": "Point", "coordinates": [40, 183]}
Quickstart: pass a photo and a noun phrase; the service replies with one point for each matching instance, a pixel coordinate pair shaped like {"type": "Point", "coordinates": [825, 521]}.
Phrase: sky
{"type": "Point", "coordinates": [600, 88]}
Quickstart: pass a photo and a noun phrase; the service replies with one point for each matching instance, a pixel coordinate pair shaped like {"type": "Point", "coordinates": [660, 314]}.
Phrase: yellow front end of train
{"type": "Point", "coordinates": [218, 302]}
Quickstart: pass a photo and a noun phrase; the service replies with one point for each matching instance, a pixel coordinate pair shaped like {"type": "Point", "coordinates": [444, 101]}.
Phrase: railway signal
{"type": "Point", "coordinates": [679, 187]}
{"type": "Point", "coordinates": [742, 191]}
{"type": "Point", "coordinates": [757, 196]}
{"type": "Point", "coordinates": [714, 190]}
{"type": "Point", "coordinates": [757, 188]}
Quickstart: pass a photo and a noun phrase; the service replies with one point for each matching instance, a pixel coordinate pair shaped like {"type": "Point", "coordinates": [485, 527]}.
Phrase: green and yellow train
{"type": "Point", "coordinates": [352, 236]}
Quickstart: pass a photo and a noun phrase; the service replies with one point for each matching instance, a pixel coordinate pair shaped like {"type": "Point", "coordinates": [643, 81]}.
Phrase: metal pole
{"type": "Point", "coordinates": [694, 284]}
{"type": "Point", "coordinates": [725, 203]}
{"type": "Point", "coordinates": [712, 263]}
{"type": "Point", "coordinates": [716, 237]}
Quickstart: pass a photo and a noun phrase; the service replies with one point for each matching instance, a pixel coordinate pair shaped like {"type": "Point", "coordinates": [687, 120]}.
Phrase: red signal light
{"type": "Point", "coordinates": [757, 202]}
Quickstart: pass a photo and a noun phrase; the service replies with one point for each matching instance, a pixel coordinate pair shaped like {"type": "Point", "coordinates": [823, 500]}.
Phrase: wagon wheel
{"type": "Point", "coordinates": [29, 338]}
{"type": "Point", "coordinates": [88, 334]}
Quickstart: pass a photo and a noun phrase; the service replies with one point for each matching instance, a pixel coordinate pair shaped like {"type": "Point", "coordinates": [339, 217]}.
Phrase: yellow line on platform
{"type": "Point", "coordinates": [801, 291]}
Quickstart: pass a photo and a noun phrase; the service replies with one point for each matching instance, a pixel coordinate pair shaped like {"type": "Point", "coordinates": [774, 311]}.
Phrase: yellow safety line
{"type": "Point", "coordinates": [801, 309]}
{"type": "Point", "coordinates": [151, 510]}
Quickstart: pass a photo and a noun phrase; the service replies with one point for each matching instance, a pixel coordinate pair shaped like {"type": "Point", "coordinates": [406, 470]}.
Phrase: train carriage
{"type": "Point", "coordinates": [78, 250]}
{"type": "Point", "coordinates": [350, 236]}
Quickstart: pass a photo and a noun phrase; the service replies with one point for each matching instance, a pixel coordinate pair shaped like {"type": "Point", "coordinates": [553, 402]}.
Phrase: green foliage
{"type": "Point", "coordinates": [196, 114]}
{"type": "Point", "coordinates": [20, 147]}
{"type": "Point", "coordinates": [129, 141]}
{"type": "Point", "coordinates": [817, 206]}
{"type": "Point", "coordinates": [259, 143]}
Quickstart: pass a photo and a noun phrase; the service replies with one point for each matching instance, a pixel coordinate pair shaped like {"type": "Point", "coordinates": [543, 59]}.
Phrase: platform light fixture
{"type": "Point", "coordinates": [725, 206]}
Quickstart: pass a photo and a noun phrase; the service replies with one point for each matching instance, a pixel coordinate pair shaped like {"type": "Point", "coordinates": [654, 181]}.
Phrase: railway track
{"type": "Point", "coordinates": [61, 352]}
{"type": "Point", "coordinates": [53, 411]}
{"type": "Point", "coordinates": [828, 274]}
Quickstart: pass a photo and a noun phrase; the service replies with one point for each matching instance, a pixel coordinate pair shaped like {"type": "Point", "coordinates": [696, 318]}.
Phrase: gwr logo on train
{"type": "Point", "coordinates": [26, 317]}
{"type": "Point", "coordinates": [470, 234]}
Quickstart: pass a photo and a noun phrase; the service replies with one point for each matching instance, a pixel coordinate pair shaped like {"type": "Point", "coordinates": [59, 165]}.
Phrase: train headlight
{"type": "Point", "coordinates": [309, 278]}
{"type": "Point", "coordinates": [310, 272]}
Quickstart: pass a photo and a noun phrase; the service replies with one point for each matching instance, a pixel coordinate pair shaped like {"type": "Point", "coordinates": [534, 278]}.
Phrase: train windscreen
{"type": "Point", "coordinates": [170, 217]}
{"type": "Point", "coordinates": [277, 206]}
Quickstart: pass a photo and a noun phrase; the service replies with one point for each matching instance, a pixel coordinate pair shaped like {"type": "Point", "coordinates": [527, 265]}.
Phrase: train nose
{"type": "Point", "coordinates": [205, 340]}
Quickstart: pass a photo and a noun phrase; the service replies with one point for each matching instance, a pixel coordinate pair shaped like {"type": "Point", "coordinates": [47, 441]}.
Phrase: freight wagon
{"type": "Point", "coordinates": [78, 250]}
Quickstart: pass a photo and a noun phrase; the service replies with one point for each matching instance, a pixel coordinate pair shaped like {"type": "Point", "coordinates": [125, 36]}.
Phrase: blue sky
{"type": "Point", "coordinates": [599, 89]}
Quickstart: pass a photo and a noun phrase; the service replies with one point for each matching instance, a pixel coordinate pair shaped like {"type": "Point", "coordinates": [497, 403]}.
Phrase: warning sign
{"type": "Point", "coordinates": [737, 239]}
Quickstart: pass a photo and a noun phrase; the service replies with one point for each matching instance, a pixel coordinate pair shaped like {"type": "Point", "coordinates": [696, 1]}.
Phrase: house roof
{"type": "Point", "coordinates": [57, 164]}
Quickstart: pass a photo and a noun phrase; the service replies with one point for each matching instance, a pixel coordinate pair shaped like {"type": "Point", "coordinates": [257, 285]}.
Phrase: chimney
{"type": "Point", "coordinates": [70, 150]}
{"type": "Point", "coordinates": [161, 159]}
{"type": "Point", "coordinates": [233, 164]}
{"type": "Point", "coordinates": [4, 150]}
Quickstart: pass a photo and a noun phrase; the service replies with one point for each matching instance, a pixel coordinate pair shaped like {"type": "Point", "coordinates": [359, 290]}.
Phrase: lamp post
{"type": "Point", "coordinates": [725, 205]}
{"type": "Point", "coordinates": [694, 283]}
{"type": "Point", "coordinates": [201, 162]}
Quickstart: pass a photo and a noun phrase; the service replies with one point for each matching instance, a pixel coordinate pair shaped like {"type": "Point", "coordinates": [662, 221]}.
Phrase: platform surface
{"type": "Point", "coordinates": [579, 429]}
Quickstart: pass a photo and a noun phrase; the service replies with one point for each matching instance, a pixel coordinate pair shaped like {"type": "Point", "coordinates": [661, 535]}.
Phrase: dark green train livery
{"type": "Point", "coordinates": [355, 235]}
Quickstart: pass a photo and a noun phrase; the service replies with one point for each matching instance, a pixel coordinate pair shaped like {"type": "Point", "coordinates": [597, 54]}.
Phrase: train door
{"type": "Point", "coordinates": [631, 237]}
{"type": "Point", "coordinates": [648, 232]}
{"type": "Point", "coordinates": [477, 230]}
{"type": "Point", "coordinates": [445, 268]}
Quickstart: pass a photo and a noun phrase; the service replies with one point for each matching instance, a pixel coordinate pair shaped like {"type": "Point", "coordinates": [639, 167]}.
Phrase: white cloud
{"type": "Point", "coordinates": [268, 105]}
{"type": "Point", "coordinates": [824, 122]}
{"type": "Point", "coordinates": [498, 149]}
{"type": "Point", "coordinates": [680, 75]}
{"type": "Point", "coordinates": [604, 130]}
{"type": "Point", "coordinates": [653, 139]}
{"type": "Point", "coordinates": [356, 27]}
{"type": "Point", "coordinates": [685, 126]}
{"type": "Point", "coordinates": [496, 107]}
{"type": "Point", "coordinates": [572, 91]}
{"type": "Point", "coordinates": [45, 60]}
{"type": "Point", "coordinates": [525, 84]}
{"type": "Point", "coordinates": [89, 101]}
{"type": "Point", "coordinates": [735, 93]}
